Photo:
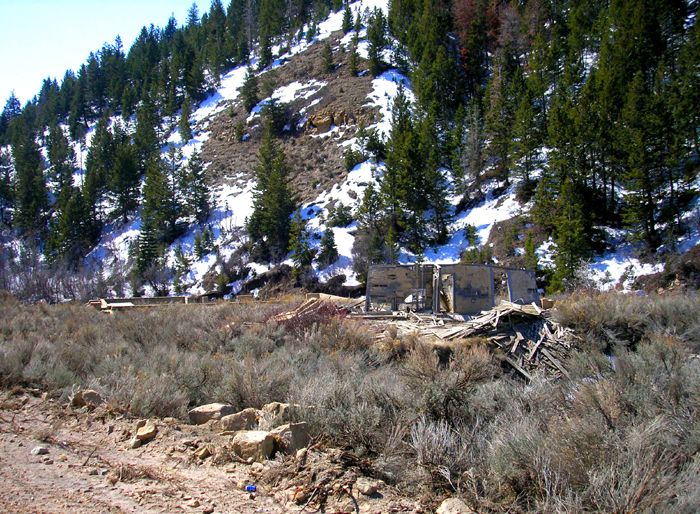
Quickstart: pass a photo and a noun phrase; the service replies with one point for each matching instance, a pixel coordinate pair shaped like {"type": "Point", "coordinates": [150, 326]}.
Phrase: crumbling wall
{"type": "Point", "coordinates": [453, 288]}
{"type": "Point", "coordinates": [393, 286]}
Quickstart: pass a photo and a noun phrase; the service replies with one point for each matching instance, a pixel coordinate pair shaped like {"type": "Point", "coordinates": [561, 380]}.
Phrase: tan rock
{"type": "Point", "coordinates": [146, 432]}
{"type": "Point", "coordinates": [203, 453]}
{"type": "Point", "coordinates": [253, 444]}
{"type": "Point", "coordinates": [367, 486]}
{"type": "Point", "coordinates": [291, 437]}
{"type": "Point", "coordinates": [454, 506]}
{"type": "Point", "coordinates": [202, 414]}
{"type": "Point", "coordinates": [246, 419]}
{"type": "Point", "coordinates": [88, 397]}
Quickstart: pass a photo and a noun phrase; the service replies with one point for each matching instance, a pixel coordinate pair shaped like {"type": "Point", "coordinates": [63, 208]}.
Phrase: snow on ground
{"type": "Point", "coordinates": [289, 93]}
{"type": "Point", "coordinates": [385, 88]}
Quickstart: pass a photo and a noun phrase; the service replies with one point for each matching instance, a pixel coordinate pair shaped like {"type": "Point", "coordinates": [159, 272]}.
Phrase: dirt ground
{"type": "Point", "coordinates": [90, 467]}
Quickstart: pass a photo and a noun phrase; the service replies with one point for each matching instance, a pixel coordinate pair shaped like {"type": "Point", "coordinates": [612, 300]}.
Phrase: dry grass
{"type": "Point", "coordinates": [621, 434]}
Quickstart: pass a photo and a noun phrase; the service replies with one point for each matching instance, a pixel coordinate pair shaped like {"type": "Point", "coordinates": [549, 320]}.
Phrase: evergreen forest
{"type": "Point", "coordinates": [590, 109]}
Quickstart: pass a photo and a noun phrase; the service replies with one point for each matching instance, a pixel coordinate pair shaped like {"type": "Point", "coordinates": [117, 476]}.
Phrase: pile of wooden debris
{"type": "Point", "coordinates": [316, 303]}
{"type": "Point", "coordinates": [525, 335]}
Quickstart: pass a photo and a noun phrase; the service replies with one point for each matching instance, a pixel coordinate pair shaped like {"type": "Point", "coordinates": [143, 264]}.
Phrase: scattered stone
{"type": "Point", "coordinates": [47, 461]}
{"type": "Point", "coordinates": [202, 414]}
{"type": "Point", "coordinates": [203, 453]}
{"type": "Point", "coordinates": [253, 444]}
{"type": "Point", "coordinates": [208, 510]}
{"type": "Point", "coordinates": [134, 443]}
{"type": "Point", "coordinates": [301, 454]}
{"type": "Point", "coordinates": [367, 486]}
{"type": "Point", "coordinates": [146, 431]}
{"type": "Point", "coordinates": [247, 419]}
{"type": "Point", "coordinates": [88, 397]}
{"type": "Point", "coordinates": [92, 472]}
{"type": "Point", "coordinates": [194, 504]}
{"type": "Point", "coordinates": [291, 437]}
{"type": "Point", "coordinates": [257, 467]}
{"type": "Point", "coordinates": [40, 450]}
{"type": "Point", "coordinates": [454, 506]}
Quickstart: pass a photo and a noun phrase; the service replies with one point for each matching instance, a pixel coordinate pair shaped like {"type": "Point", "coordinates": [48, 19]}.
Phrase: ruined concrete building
{"type": "Point", "coordinates": [451, 288]}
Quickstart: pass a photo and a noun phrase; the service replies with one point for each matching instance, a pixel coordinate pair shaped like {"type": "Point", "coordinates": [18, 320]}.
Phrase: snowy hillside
{"type": "Point", "coordinates": [296, 84]}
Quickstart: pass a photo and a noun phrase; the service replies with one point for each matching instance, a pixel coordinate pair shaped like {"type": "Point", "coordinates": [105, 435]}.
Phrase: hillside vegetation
{"type": "Point", "coordinates": [584, 115]}
{"type": "Point", "coordinates": [620, 434]}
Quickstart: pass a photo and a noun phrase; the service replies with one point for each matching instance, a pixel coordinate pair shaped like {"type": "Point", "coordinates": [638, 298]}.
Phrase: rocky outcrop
{"type": "Point", "coordinates": [202, 414]}
{"type": "Point", "coordinates": [323, 120]}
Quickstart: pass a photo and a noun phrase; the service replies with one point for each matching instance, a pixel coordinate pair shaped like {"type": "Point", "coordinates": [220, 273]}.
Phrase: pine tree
{"type": "Point", "coordinates": [99, 165]}
{"type": "Point", "coordinates": [327, 57]}
{"type": "Point", "coordinates": [184, 125]}
{"type": "Point", "coordinates": [643, 144]}
{"type": "Point", "coordinates": [30, 195]}
{"type": "Point", "coordinates": [6, 192]}
{"type": "Point", "coordinates": [265, 51]}
{"type": "Point", "coordinates": [347, 18]}
{"type": "Point", "coordinates": [328, 252]}
{"type": "Point", "coordinates": [353, 57]}
{"type": "Point", "coordinates": [146, 141]}
{"type": "Point", "coordinates": [268, 225]}
{"type": "Point", "coordinates": [301, 252]}
{"type": "Point", "coordinates": [249, 90]}
{"type": "Point", "coordinates": [530, 252]}
{"type": "Point", "coordinates": [61, 159]}
{"type": "Point", "coordinates": [124, 181]}
{"type": "Point", "coordinates": [573, 243]}
{"type": "Point", "coordinates": [376, 36]}
{"type": "Point", "coordinates": [197, 190]}
{"type": "Point", "coordinates": [159, 213]}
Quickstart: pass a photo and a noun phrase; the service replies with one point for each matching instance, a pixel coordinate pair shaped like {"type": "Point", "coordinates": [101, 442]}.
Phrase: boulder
{"type": "Point", "coordinates": [247, 419]}
{"type": "Point", "coordinates": [454, 506]}
{"type": "Point", "coordinates": [88, 397]}
{"type": "Point", "coordinates": [40, 450]}
{"type": "Point", "coordinates": [367, 486]}
{"type": "Point", "coordinates": [146, 431]}
{"type": "Point", "coordinates": [273, 415]}
{"type": "Point", "coordinates": [291, 437]}
{"type": "Point", "coordinates": [257, 445]}
{"type": "Point", "coordinates": [202, 414]}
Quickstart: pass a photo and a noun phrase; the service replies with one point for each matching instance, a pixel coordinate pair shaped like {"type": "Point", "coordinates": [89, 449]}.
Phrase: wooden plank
{"type": "Point", "coordinates": [556, 363]}
{"type": "Point", "coordinates": [517, 368]}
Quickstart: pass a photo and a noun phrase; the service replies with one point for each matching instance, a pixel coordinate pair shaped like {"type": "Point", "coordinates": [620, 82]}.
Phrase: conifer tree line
{"type": "Point", "coordinates": [590, 108]}
{"type": "Point", "coordinates": [151, 88]}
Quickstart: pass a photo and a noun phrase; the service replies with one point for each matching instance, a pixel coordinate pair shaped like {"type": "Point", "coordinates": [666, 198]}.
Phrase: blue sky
{"type": "Point", "coordinates": [44, 38]}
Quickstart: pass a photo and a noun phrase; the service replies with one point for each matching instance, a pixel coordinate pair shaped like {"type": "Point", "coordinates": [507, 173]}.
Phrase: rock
{"type": "Point", "coordinates": [321, 121]}
{"type": "Point", "coordinates": [274, 414]}
{"type": "Point", "coordinates": [367, 486]}
{"type": "Point", "coordinates": [247, 419]}
{"type": "Point", "coordinates": [88, 397]}
{"type": "Point", "coordinates": [253, 444]}
{"type": "Point", "coordinates": [134, 443]}
{"type": "Point", "coordinates": [40, 450]}
{"type": "Point", "coordinates": [454, 506]}
{"type": "Point", "coordinates": [146, 432]}
{"type": "Point", "coordinates": [202, 414]}
{"type": "Point", "coordinates": [257, 467]}
{"type": "Point", "coordinates": [291, 437]}
{"type": "Point", "coordinates": [203, 453]}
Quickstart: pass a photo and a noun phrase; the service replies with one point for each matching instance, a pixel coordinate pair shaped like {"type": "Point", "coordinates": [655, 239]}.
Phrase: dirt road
{"type": "Point", "coordinates": [88, 466]}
